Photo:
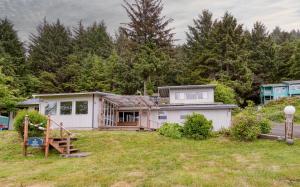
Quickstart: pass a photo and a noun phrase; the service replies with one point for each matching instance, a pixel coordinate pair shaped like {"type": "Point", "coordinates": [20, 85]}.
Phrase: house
{"type": "Point", "coordinates": [270, 92]}
{"type": "Point", "coordinates": [91, 110]}
{"type": "Point", "coordinates": [179, 101]}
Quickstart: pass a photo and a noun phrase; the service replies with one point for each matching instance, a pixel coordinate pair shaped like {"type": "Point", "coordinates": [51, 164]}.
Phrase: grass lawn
{"type": "Point", "coordinates": [274, 109]}
{"type": "Point", "coordinates": [148, 159]}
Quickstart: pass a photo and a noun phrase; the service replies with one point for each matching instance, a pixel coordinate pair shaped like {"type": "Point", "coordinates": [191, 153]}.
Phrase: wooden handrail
{"type": "Point", "coordinates": [62, 127]}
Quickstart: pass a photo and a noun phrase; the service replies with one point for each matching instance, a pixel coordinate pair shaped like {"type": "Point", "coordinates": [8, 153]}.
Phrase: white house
{"type": "Point", "coordinates": [90, 110]}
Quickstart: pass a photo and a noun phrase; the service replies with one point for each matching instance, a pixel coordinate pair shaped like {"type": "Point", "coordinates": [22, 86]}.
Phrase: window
{"type": "Point", "coordinates": [128, 116]}
{"type": "Point", "coordinates": [81, 107]}
{"type": "Point", "coordinates": [197, 95]}
{"type": "Point", "coordinates": [179, 96]}
{"type": "Point", "coordinates": [51, 108]}
{"type": "Point", "coordinates": [66, 108]}
{"type": "Point", "coordinates": [162, 115]}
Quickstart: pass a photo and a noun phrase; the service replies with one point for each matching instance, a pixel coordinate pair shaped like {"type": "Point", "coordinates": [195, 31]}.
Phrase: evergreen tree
{"type": "Point", "coordinates": [261, 54]}
{"type": "Point", "coordinates": [8, 99]}
{"type": "Point", "coordinates": [295, 63]}
{"type": "Point", "coordinates": [282, 61]}
{"type": "Point", "coordinates": [199, 49]}
{"type": "Point", "coordinates": [93, 40]}
{"type": "Point", "coordinates": [147, 25]}
{"type": "Point", "coordinates": [48, 53]}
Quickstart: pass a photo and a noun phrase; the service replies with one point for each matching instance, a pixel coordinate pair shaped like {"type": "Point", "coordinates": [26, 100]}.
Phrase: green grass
{"type": "Point", "coordinates": [148, 159]}
{"type": "Point", "coordinates": [274, 109]}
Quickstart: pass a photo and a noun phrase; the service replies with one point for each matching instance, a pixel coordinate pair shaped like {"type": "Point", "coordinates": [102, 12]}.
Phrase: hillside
{"type": "Point", "coordinates": [274, 109]}
{"type": "Point", "coordinates": [148, 159]}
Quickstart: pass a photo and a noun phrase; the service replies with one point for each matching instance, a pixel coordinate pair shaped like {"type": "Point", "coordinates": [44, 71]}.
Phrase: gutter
{"type": "Point", "coordinates": [93, 110]}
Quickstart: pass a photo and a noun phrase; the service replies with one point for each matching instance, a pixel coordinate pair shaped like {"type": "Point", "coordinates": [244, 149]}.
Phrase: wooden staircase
{"type": "Point", "coordinates": [63, 146]}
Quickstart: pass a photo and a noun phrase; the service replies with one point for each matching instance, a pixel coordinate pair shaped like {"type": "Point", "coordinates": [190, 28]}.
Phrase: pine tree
{"type": "Point", "coordinates": [93, 40]}
{"type": "Point", "coordinates": [295, 63]}
{"type": "Point", "coordinates": [199, 49]}
{"type": "Point", "coordinates": [261, 54]}
{"type": "Point", "coordinates": [147, 25]}
{"type": "Point", "coordinates": [48, 53]}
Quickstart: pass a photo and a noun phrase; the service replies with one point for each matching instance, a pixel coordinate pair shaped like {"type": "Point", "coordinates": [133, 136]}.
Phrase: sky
{"type": "Point", "coordinates": [27, 14]}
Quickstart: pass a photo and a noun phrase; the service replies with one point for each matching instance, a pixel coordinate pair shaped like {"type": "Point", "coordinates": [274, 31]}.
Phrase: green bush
{"type": "Point", "coordinates": [224, 93]}
{"type": "Point", "coordinates": [245, 127]}
{"type": "Point", "coordinates": [34, 117]}
{"type": "Point", "coordinates": [173, 130]}
{"type": "Point", "coordinates": [196, 126]}
{"type": "Point", "coordinates": [265, 126]}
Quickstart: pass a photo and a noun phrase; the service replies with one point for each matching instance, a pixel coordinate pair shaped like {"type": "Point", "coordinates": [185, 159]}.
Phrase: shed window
{"type": "Point", "coordinates": [66, 108]}
{"type": "Point", "coordinates": [51, 108]}
{"type": "Point", "coordinates": [81, 107]}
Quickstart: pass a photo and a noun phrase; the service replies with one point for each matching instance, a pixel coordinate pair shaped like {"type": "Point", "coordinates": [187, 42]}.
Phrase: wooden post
{"type": "Point", "coordinates": [68, 144]}
{"type": "Point", "coordinates": [47, 137]}
{"type": "Point", "coordinates": [102, 113]}
{"type": "Point", "coordinates": [26, 122]}
{"type": "Point", "coordinates": [148, 119]}
{"type": "Point", "coordinates": [61, 130]}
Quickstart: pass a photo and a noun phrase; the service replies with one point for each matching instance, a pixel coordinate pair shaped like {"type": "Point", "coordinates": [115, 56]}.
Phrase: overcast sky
{"type": "Point", "coordinates": [27, 14]}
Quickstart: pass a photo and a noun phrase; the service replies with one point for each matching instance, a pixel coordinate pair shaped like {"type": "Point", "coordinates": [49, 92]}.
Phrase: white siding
{"type": "Point", "coordinates": [74, 120]}
{"type": "Point", "coordinates": [220, 118]}
{"type": "Point", "coordinates": [208, 91]}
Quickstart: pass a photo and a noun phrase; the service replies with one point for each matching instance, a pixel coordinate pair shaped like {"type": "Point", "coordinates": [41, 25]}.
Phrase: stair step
{"type": "Point", "coordinates": [65, 146]}
{"type": "Point", "coordinates": [58, 139]}
{"type": "Point", "coordinates": [73, 150]}
{"type": "Point", "coordinates": [60, 142]}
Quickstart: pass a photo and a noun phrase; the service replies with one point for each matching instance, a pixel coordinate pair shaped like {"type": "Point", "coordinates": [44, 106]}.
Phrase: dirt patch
{"type": "Point", "coordinates": [122, 184]}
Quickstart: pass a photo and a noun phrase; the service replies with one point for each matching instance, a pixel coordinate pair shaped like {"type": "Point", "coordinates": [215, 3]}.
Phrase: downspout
{"type": "Point", "coordinates": [93, 110]}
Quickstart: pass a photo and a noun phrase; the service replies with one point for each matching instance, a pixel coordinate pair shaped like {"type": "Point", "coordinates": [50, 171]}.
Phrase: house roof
{"type": "Point", "coordinates": [130, 100]}
{"type": "Point", "coordinates": [71, 94]}
{"type": "Point", "coordinates": [273, 85]}
{"type": "Point", "coordinates": [292, 82]}
{"type": "Point", "coordinates": [164, 91]}
{"type": "Point", "coordinates": [28, 102]}
{"type": "Point", "coordinates": [198, 106]}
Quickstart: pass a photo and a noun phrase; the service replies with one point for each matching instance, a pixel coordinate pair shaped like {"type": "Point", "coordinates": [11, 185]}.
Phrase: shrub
{"type": "Point", "coordinates": [35, 117]}
{"type": "Point", "coordinates": [245, 127]}
{"type": "Point", "coordinates": [224, 93]}
{"type": "Point", "coordinates": [265, 126]}
{"type": "Point", "coordinates": [173, 130]}
{"type": "Point", "coordinates": [197, 126]}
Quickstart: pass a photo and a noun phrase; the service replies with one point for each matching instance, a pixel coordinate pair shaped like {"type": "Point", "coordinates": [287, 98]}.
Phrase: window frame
{"type": "Point", "coordinates": [49, 112]}
{"type": "Point", "coordinates": [71, 112]}
{"type": "Point", "coordinates": [82, 101]}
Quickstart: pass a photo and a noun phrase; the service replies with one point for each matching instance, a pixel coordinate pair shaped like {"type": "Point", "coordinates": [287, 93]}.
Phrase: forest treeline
{"type": "Point", "coordinates": [142, 55]}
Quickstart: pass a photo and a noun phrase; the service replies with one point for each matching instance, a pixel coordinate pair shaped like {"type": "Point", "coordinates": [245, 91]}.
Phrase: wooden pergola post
{"type": "Point", "coordinates": [47, 137]}
{"type": "Point", "coordinates": [25, 135]}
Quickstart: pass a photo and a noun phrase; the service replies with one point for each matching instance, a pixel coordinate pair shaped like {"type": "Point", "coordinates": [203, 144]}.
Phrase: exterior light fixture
{"type": "Point", "coordinates": [289, 125]}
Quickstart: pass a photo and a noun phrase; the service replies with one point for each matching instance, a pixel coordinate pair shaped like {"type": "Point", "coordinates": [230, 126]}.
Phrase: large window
{"type": "Point", "coordinates": [51, 108]}
{"type": "Point", "coordinates": [179, 95]}
{"type": "Point", "coordinates": [81, 107]}
{"type": "Point", "coordinates": [191, 95]}
{"type": "Point", "coordinates": [128, 116]}
{"type": "Point", "coordinates": [66, 108]}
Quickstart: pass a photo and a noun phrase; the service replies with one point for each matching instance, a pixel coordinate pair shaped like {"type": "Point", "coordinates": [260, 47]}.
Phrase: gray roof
{"type": "Point", "coordinates": [292, 82]}
{"type": "Point", "coordinates": [130, 100]}
{"type": "Point", "coordinates": [71, 94]}
{"type": "Point", "coordinates": [164, 90]}
{"type": "Point", "coordinates": [197, 107]}
{"type": "Point", "coordinates": [273, 85]}
{"type": "Point", "coordinates": [33, 101]}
